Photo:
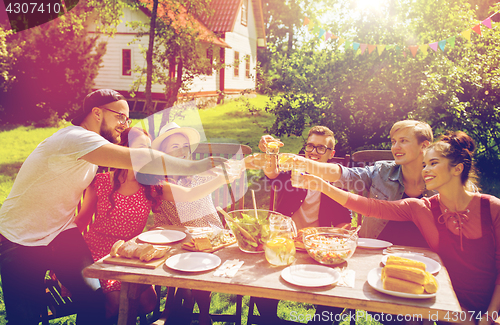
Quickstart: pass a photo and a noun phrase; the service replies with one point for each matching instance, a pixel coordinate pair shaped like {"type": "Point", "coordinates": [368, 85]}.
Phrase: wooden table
{"type": "Point", "coordinates": [260, 279]}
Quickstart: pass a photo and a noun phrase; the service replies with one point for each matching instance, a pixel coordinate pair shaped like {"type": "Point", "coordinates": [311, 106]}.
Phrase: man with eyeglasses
{"type": "Point", "coordinates": [37, 220]}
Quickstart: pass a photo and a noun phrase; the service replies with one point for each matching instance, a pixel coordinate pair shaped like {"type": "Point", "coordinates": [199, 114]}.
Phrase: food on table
{"type": "Point", "coordinates": [256, 227]}
{"type": "Point", "coordinates": [397, 260]}
{"type": "Point", "coordinates": [398, 276]}
{"type": "Point", "coordinates": [210, 240]}
{"type": "Point", "coordinates": [330, 248]}
{"type": "Point", "coordinates": [299, 240]}
{"type": "Point", "coordinates": [399, 285]}
{"type": "Point", "coordinates": [114, 248]}
{"type": "Point", "coordinates": [143, 252]}
{"type": "Point", "coordinates": [280, 251]}
{"type": "Point", "coordinates": [431, 285]}
{"type": "Point", "coordinates": [405, 273]}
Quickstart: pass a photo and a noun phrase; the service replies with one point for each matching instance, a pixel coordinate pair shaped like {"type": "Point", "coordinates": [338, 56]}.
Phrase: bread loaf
{"type": "Point", "coordinates": [406, 273]}
{"type": "Point", "coordinates": [127, 250]}
{"type": "Point", "coordinates": [154, 254]}
{"type": "Point", "coordinates": [394, 284]}
{"type": "Point", "coordinates": [114, 249]}
{"type": "Point", "coordinates": [397, 260]}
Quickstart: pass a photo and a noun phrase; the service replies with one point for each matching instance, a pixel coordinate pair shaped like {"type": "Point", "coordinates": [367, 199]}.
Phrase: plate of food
{"type": "Point", "coordinates": [372, 243]}
{"type": "Point", "coordinates": [309, 275]}
{"type": "Point", "coordinates": [400, 288]}
{"type": "Point", "coordinates": [193, 262]}
{"type": "Point", "coordinates": [431, 265]}
{"type": "Point", "coordinates": [159, 237]}
{"type": "Point", "coordinates": [210, 241]}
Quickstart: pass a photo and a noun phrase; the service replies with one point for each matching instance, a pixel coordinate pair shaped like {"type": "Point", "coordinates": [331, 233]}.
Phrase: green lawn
{"type": "Point", "coordinates": [231, 121]}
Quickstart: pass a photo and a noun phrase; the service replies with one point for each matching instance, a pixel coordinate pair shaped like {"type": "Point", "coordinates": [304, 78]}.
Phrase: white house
{"type": "Point", "coordinates": [236, 28]}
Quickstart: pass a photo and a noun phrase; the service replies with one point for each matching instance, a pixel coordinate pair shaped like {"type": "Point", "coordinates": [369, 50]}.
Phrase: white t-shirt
{"type": "Point", "coordinates": [48, 187]}
{"type": "Point", "coordinates": [308, 213]}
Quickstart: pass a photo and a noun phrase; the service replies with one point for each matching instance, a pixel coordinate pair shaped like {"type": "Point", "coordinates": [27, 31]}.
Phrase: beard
{"type": "Point", "coordinates": [107, 133]}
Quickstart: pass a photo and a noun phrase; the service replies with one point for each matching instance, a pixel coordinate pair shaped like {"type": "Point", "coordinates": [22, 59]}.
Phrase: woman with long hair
{"type": "Point", "coordinates": [460, 224]}
{"type": "Point", "coordinates": [121, 205]}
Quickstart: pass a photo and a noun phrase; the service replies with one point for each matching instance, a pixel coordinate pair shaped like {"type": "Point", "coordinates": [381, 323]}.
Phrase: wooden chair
{"type": "Point", "coordinates": [367, 157]}
{"type": "Point", "coordinates": [223, 199]}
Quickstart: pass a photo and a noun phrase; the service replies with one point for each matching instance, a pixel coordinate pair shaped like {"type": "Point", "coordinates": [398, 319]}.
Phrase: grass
{"type": "Point", "coordinates": [232, 122]}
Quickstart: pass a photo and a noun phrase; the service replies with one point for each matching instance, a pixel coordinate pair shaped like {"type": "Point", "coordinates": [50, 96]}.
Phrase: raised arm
{"type": "Point", "coordinates": [327, 171]}
{"type": "Point", "coordinates": [89, 207]}
{"type": "Point", "coordinates": [148, 161]}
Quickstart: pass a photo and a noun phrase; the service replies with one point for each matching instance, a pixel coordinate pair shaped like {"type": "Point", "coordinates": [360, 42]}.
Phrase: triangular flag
{"type": "Point", "coordinates": [306, 21]}
{"type": "Point", "coordinates": [316, 29]}
{"type": "Point", "coordinates": [355, 46]}
{"type": "Point", "coordinates": [466, 34]}
{"type": "Point", "coordinates": [371, 48]}
{"type": "Point", "coordinates": [404, 54]}
{"type": "Point", "coordinates": [380, 49]}
{"type": "Point", "coordinates": [398, 50]}
{"type": "Point", "coordinates": [442, 44]}
{"type": "Point", "coordinates": [321, 32]}
{"type": "Point", "coordinates": [363, 48]}
{"type": "Point", "coordinates": [310, 25]}
{"type": "Point", "coordinates": [341, 41]}
{"type": "Point", "coordinates": [451, 41]}
{"type": "Point", "coordinates": [334, 36]}
{"type": "Point", "coordinates": [477, 29]}
{"type": "Point", "coordinates": [434, 46]}
{"type": "Point", "coordinates": [424, 48]}
{"type": "Point", "coordinates": [327, 36]}
{"type": "Point", "coordinates": [487, 22]}
{"type": "Point", "coordinates": [413, 50]}
{"type": "Point", "coordinates": [390, 47]}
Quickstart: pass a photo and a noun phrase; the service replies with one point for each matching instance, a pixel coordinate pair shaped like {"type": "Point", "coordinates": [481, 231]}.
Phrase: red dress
{"type": "Point", "coordinates": [125, 221]}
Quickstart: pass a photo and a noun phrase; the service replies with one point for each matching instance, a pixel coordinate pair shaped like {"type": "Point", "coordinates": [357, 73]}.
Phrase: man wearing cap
{"type": "Point", "coordinates": [37, 218]}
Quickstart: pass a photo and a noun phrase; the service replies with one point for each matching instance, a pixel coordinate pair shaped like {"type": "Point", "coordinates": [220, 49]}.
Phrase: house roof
{"type": "Point", "coordinates": [224, 17]}
{"type": "Point", "coordinates": [181, 18]}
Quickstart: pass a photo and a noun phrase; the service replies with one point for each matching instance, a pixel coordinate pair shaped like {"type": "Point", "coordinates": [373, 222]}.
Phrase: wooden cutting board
{"type": "Point", "coordinates": [135, 262]}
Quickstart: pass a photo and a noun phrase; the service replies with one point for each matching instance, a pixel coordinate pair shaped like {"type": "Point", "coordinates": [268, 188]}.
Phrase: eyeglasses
{"type": "Point", "coordinates": [123, 119]}
{"type": "Point", "coordinates": [321, 150]}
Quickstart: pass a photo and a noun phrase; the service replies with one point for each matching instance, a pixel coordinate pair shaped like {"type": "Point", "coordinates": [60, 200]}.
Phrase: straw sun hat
{"type": "Point", "coordinates": [191, 134]}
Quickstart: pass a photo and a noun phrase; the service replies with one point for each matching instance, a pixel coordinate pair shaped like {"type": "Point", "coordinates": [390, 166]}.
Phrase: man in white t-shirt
{"type": "Point", "coordinates": [37, 225]}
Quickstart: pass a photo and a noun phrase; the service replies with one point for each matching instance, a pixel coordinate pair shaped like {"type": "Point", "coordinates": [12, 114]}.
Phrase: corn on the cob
{"type": "Point", "coordinates": [399, 285]}
{"type": "Point", "coordinates": [430, 285]}
{"type": "Point", "coordinates": [406, 273]}
{"type": "Point", "coordinates": [397, 260]}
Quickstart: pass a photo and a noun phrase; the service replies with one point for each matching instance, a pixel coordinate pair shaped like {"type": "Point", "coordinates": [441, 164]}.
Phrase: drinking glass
{"type": "Point", "coordinates": [298, 168]}
{"type": "Point", "coordinates": [285, 162]}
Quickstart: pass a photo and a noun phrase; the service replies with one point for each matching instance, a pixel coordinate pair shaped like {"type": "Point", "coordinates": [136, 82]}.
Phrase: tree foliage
{"type": "Point", "coordinates": [54, 68]}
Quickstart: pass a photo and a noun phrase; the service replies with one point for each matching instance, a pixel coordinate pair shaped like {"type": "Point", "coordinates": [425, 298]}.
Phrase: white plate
{"type": "Point", "coordinates": [431, 266]}
{"type": "Point", "coordinates": [193, 262]}
{"type": "Point", "coordinates": [309, 275]}
{"type": "Point", "coordinates": [376, 283]}
{"type": "Point", "coordinates": [161, 236]}
{"type": "Point", "coordinates": [373, 243]}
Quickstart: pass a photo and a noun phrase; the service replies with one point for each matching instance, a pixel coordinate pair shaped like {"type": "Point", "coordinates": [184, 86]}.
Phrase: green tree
{"type": "Point", "coordinates": [54, 69]}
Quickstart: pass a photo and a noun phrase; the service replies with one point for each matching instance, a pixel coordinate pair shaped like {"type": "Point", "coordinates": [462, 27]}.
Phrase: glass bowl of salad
{"type": "Point", "coordinates": [251, 230]}
{"type": "Point", "coordinates": [331, 248]}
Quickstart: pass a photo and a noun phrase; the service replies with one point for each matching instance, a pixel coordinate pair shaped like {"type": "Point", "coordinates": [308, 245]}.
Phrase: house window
{"type": "Point", "coordinates": [244, 12]}
{"type": "Point", "coordinates": [236, 64]}
{"type": "Point", "coordinates": [247, 66]}
{"type": "Point", "coordinates": [126, 62]}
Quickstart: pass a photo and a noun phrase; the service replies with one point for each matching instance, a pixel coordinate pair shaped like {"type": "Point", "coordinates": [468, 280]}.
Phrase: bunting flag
{"type": "Point", "coordinates": [477, 29]}
{"type": "Point", "coordinates": [424, 48]}
{"type": "Point", "coordinates": [413, 49]}
{"type": "Point", "coordinates": [434, 46]}
{"type": "Point", "coordinates": [442, 44]}
{"type": "Point", "coordinates": [380, 49]}
{"type": "Point", "coordinates": [487, 22]}
{"type": "Point", "coordinates": [451, 41]}
{"type": "Point", "coordinates": [359, 48]}
{"type": "Point", "coordinates": [466, 34]}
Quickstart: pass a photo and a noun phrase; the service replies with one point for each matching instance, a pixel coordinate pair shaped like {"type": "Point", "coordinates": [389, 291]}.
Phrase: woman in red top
{"type": "Point", "coordinates": [460, 224]}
